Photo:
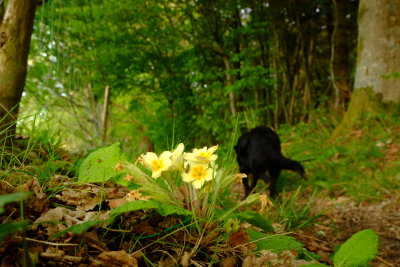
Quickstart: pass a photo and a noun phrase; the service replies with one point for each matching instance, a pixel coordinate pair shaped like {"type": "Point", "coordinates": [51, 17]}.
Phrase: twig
{"type": "Point", "coordinates": [384, 261]}
{"type": "Point", "coordinates": [60, 256]}
{"type": "Point", "coordinates": [311, 237]}
{"type": "Point", "coordinates": [49, 243]}
{"type": "Point", "coordinates": [98, 248]}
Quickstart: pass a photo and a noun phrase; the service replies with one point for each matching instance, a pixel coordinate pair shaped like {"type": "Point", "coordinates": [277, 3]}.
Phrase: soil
{"type": "Point", "coordinates": [345, 218]}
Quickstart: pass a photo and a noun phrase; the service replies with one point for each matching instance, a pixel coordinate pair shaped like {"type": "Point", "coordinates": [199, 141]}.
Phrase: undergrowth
{"type": "Point", "coordinates": [364, 164]}
{"type": "Point", "coordinates": [207, 222]}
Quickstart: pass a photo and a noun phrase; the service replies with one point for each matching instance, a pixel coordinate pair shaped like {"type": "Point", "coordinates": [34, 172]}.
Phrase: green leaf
{"type": "Point", "coordinates": [12, 198]}
{"type": "Point", "coordinates": [315, 265]}
{"type": "Point", "coordinates": [162, 209]}
{"type": "Point", "coordinates": [254, 219]}
{"type": "Point", "coordinates": [274, 243]}
{"type": "Point", "coordinates": [358, 250]}
{"type": "Point", "coordinates": [9, 228]}
{"type": "Point", "coordinates": [100, 165]}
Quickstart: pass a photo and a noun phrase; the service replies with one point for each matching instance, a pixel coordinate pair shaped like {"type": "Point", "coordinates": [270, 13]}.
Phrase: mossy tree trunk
{"type": "Point", "coordinates": [378, 64]}
{"type": "Point", "coordinates": [15, 34]}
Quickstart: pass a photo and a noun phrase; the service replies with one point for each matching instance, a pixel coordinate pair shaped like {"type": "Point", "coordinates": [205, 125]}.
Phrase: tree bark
{"type": "Point", "coordinates": [378, 63]}
{"type": "Point", "coordinates": [15, 35]}
{"type": "Point", "coordinates": [379, 48]}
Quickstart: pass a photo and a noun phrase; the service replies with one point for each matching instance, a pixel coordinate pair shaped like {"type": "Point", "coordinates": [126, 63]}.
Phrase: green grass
{"type": "Point", "coordinates": [363, 164]}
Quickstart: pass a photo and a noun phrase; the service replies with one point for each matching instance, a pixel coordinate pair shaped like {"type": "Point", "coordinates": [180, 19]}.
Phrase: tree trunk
{"type": "Point", "coordinates": [229, 82]}
{"type": "Point", "coordinates": [378, 62]}
{"type": "Point", "coordinates": [341, 45]}
{"type": "Point", "coordinates": [15, 35]}
{"type": "Point", "coordinates": [378, 48]}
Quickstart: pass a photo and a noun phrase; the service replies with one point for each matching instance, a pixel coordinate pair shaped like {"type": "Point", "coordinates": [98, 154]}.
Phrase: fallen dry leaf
{"type": "Point", "coordinates": [239, 238]}
{"type": "Point", "coordinates": [34, 185]}
{"type": "Point", "coordinates": [229, 262]}
{"type": "Point", "coordinates": [52, 218]}
{"type": "Point", "coordinates": [267, 258]}
{"type": "Point", "coordinates": [186, 259]}
{"type": "Point", "coordinates": [115, 259]}
{"type": "Point", "coordinates": [145, 228]}
{"type": "Point", "coordinates": [113, 203]}
{"type": "Point", "coordinates": [84, 200]}
{"type": "Point", "coordinates": [58, 219]}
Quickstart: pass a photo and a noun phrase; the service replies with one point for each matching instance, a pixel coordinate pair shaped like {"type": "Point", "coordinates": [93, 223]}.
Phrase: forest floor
{"type": "Point", "coordinates": [344, 218]}
{"type": "Point", "coordinates": [144, 238]}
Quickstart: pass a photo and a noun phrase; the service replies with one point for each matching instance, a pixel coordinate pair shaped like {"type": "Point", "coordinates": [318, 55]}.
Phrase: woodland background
{"type": "Point", "coordinates": [325, 74]}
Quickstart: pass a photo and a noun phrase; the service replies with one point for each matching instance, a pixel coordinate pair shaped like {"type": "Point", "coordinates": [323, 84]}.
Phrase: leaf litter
{"type": "Point", "coordinates": [141, 236]}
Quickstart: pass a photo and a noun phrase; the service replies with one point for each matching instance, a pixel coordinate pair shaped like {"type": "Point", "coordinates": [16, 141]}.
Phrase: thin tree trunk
{"type": "Point", "coordinates": [104, 117]}
{"type": "Point", "coordinates": [229, 82]}
{"type": "Point", "coordinates": [341, 45]}
{"type": "Point", "coordinates": [15, 36]}
{"type": "Point", "coordinates": [336, 92]}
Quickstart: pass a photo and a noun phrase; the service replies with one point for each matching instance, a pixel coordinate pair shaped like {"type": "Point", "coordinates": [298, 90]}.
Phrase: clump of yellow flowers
{"type": "Point", "coordinates": [191, 180]}
{"type": "Point", "coordinates": [196, 167]}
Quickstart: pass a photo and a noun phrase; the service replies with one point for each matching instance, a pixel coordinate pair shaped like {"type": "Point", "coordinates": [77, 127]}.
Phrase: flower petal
{"type": "Point", "coordinates": [198, 183]}
{"type": "Point", "coordinates": [187, 177]}
{"type": "Point", "coordinates": [165, 155]}
{"type": "Point", "coordinates": [208, 174]}
{"type": "Point", "coordinates": [156, 174]}
{"type": "Point", "coordinates": [148, 158]}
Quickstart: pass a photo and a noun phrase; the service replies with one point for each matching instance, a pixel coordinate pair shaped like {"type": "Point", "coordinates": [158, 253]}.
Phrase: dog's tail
{"type": "Point", "coordinates": [292, 165]}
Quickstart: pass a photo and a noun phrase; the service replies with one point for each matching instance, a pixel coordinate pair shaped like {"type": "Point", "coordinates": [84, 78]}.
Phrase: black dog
{"type": "Point", "coordinates": [260, 150]}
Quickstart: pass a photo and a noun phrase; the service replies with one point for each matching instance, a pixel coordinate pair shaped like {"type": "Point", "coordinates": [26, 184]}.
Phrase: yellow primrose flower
{"type": "Point", "coordinates": [202, 155]}
{"type": "Point", "coordinates": [177, 158]}
{"type": "Point", "coordinates": [157, 164]}
{"type": "Point", "coordinates": [198, 174]}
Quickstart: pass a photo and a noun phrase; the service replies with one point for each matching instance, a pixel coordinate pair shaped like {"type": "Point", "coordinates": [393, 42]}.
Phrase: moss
{"type": "Point", "coordinates": [365, 104]}
{"type": "Point", "coordinates": [361, 12]}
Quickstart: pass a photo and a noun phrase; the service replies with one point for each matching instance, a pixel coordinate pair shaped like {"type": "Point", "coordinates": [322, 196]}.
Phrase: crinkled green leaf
{"type": "Point", "coordinates": [162, 209]}
{"type": "Point", "coordinates": [9, 228]}
{"type": "Point", "coordinates": [274, 243]}
{"type": "Point", "coordinates": [358, 250]}
{"type": "Point", "coordinates": [100, 165]}
{"type": "Point", "coordinates": [5, 199]}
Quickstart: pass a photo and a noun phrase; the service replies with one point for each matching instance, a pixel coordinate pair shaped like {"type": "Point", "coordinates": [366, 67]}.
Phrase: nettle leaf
{"type": "Point", "coordinates": [358, 250]}
{"type": "Point", "coordinates": [274, 243]}
{"type": "Point", "coordinates": [100, 165]}
{"type": "Point", "coordinates": [162, 208]}
{"type": "Point", "coordinates": [9, 228]}
{"type": "Point", "coordinates": [12, 198]}
{"type": "Point", "coordinates": [255, 219]}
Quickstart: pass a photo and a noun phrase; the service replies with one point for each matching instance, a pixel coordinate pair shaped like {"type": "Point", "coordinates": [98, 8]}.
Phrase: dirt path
{"type": "Point", "coordinates": [345, 218]}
